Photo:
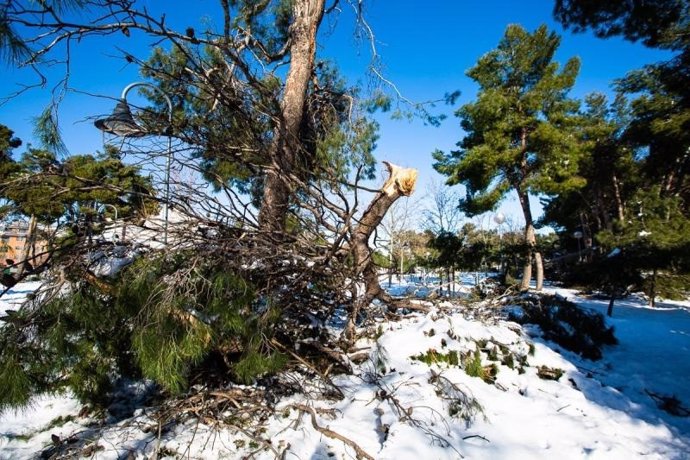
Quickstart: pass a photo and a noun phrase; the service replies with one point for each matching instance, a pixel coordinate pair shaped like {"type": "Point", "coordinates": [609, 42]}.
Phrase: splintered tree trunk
{"type": "Point", "coordinates": [285, 148]}
{"type": "Point", "coordinates": [400, 182]}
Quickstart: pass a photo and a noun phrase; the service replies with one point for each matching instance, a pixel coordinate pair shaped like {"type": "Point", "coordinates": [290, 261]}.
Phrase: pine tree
{"type": "Point", "coordinates": [52, 189]}
{"type": "Point", "coordinates": [607, 165]}
{"type": "Point", "coordinates": [661, 108]}
{"type": "Point", "coordinates": [654, 239]}
{"type": "Point", "coordinates": [520, 131]}
{"type": "Point", "coordinates": [256, 114]}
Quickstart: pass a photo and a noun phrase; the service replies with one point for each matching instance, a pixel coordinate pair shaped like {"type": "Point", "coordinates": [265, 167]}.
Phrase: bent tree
{"type": "Point", "coordinates": [270, 145]}
{"type": "Point", "coordinates": [520, 132]}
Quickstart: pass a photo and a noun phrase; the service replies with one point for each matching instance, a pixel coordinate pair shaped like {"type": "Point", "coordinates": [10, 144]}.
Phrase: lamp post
{"type": "Point", "coordinates": [124, 226]}
{"type": "Point", "coordinates": [121, 123]}
{"type": "Point", "coordinates": [499, 218]}
{"type": "Point", "coordinates": [403, 246]}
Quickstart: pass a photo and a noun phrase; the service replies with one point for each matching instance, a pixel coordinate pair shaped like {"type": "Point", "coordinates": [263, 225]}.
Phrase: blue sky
{"type": "Point", "coordinates": [425, 48]}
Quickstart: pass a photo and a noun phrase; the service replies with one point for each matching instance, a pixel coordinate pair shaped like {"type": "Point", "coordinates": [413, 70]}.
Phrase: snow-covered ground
{"type": "Point", "coordinates": [396, 407]}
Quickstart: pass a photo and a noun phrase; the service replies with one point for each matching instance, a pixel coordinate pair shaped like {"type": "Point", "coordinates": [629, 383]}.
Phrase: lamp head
{"type": "Point", "coordinates": [120, 122]}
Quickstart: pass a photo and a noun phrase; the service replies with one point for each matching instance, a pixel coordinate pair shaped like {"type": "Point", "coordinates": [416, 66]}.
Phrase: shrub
{"type": "Point", "coordinates": [571, 327]}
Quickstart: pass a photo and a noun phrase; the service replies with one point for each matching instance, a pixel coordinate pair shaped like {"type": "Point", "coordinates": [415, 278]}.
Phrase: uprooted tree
{"type": "Point", "coordinates": [269, 242]}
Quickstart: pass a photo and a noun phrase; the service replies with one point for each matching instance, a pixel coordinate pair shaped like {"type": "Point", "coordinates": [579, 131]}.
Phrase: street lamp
{"type": "Point", "coordinates": [499, 218]}
{"type": "Point", "coordinates": [121, 123]}
{"type": "Point", "coordinates": [402, 258]}
{"type": "Point", "coordinates": [124, 226]}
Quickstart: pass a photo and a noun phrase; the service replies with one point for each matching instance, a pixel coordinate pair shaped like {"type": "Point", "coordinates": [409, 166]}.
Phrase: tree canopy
{"type": "Point", "coordinates": [519, 132]}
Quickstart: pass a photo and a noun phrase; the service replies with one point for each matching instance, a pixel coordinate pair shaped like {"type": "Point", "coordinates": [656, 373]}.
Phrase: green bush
{"type": "Point", "coordinates": [575, 329]}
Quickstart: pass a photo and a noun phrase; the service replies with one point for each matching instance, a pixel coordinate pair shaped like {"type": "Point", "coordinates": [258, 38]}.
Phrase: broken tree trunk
{"type": "Point", "coordinates": [400, 182]}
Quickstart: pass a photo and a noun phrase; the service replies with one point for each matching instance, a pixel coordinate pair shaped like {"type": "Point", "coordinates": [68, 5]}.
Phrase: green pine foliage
{"type": "Point", "coordinates": [582, 331]}
{"type": "Point", "coordinates": [164, 318]}
{"type": "Point", "coordinates": [608, 166]}
{"type": "Point", "coordinates": [183, 322]}
{"type": "Point", "coordinates": [654, 241]}
{"type": "Point", "coordinates": [53, 189]}
{"type": "Point", "coordinates": [473, 364]}
{"type": "Point", "coordinates": [519, 130]}
{"type": "Point", "coordinates": [337, 137]}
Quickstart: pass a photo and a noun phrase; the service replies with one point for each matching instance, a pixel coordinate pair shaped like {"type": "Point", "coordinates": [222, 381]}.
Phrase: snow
{"type": "Point", "coordinates": [14, 298]}
{"type": "Point", "coordinates": [614, 252]}
{"type": "Point", "coordinates": [396, 407]}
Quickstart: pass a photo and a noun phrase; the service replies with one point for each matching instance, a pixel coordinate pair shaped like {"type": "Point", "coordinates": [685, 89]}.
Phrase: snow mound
{"type": "Point", "coordinates": [436, 385]}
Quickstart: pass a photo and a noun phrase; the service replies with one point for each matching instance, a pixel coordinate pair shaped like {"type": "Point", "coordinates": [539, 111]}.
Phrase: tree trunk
{"type": "Point", "coordinates": [28, 244]}
{"type": "Point", "coordinates": [400, 183]}
{"type": "Point", "coordinates": [652, 289]}
{"type": "Point", "coordinates": [539, 265]}
{"type": "Point", "coordinates": [286, 145]}
{"type": "Point", "coordinates": [602, 214]}
{"type": "Point", "coordinates": [531, 240]}
{"type": "Point", "coordinates": [619, 201]}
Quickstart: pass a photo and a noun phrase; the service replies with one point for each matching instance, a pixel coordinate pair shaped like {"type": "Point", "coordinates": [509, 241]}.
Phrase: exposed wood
{"type": "Point", "coordinates": [401, 182]}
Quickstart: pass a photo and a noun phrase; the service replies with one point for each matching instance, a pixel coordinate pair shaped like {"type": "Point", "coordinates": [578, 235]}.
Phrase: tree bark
{"type": "Point", "coordinates": [400, 182]}
{"type": "Point", "coordinates": [531, 240]}
{"type": "Point", "coordinates": [612, 299]}
{"type": "Point", "coordinates": [652, 288]}
{"type": "Point", "coordinates": [619, 201]}
{"type": "Point", "coordinates": [286, 145]}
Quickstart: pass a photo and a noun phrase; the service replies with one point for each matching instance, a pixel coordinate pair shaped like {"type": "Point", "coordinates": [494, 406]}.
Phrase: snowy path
{"type": "Point", "coordinates": [653, 353]}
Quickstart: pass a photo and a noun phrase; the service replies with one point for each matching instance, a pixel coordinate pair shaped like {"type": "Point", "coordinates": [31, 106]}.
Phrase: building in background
{"type": "Point", "coordinates": [13, 240]}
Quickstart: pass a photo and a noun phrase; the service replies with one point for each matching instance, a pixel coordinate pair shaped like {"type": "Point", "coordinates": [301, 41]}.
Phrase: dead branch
{"type": "Point", "coordinates": [360, 453]}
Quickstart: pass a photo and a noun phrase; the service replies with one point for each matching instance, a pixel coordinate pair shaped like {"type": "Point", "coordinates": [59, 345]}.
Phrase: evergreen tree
{"type": "Point", "coordinates": [661, 109]}
{"type": "Point", "coordinates": [7, 164]}
{"type": "Point", "coordinates": [654, 240]}
{"type": "Point", "coordinates": [657, 23]}
{"type": "Point", "coordinates": [232, 139]}
{"type": "Point", "coordinates": [8, 142]}
{"type": "Point", "coordinates": [607, 165]}
{"type": "Point", "coordinates": [520, 131]}
{"type": "Point", "coordinates": [256, 114]}
{"type": "Point", "coordinates": [74, 188]}
{"type": "Point", "coordinates": [652, 233]}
